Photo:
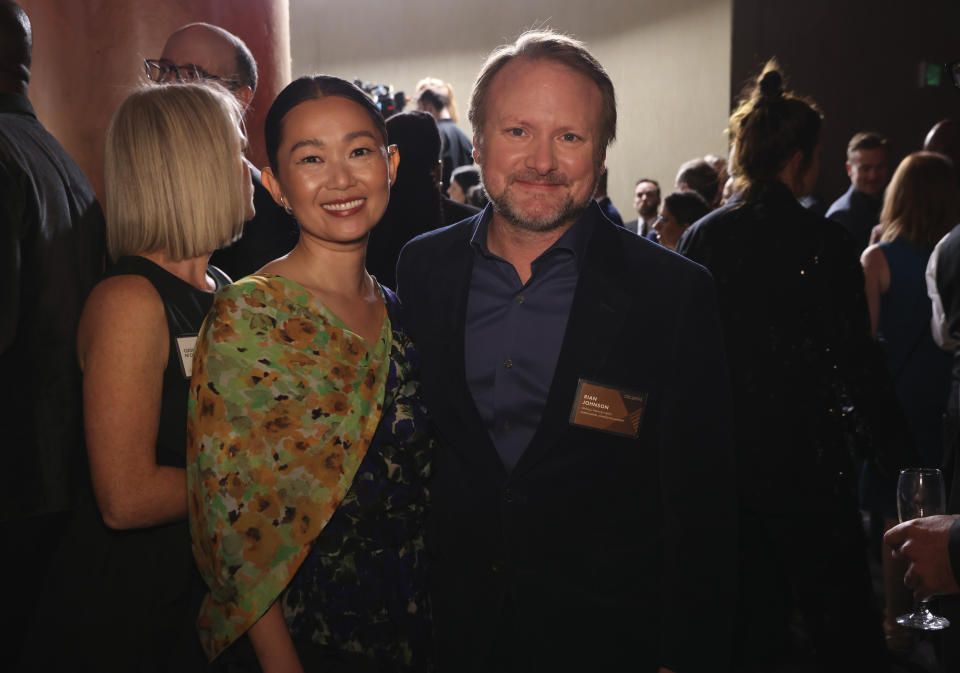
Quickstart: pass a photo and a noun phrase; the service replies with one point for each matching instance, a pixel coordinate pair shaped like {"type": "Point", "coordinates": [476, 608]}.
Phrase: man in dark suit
{"type": "Point", "coordinates": [868, 167]}
{"type": "Point", "coordinates": [582, 497]}
{"type": "Point", "coordinates": [646, 200]}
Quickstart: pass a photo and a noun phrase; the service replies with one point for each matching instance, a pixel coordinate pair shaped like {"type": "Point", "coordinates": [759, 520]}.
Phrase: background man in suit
{"type": "Point", "coordinates": [584, 423]}
{"type": "Point", "coordinates": [868, 167]}
{"type": "Point", "coordinates": [203, 52]}
{"type": "Point", "coordinates": [646, 201]}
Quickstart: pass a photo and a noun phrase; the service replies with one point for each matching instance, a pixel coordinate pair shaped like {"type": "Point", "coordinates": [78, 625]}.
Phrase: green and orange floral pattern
{"type": "Point", "coordinates": [284, 402]}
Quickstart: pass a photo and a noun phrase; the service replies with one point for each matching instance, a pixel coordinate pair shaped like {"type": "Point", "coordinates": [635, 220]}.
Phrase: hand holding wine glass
{"type": "Point", "coordinates": [920, 493]}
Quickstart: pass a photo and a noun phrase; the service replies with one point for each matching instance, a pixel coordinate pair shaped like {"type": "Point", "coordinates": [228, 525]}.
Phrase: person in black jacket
{"type": "Point", "coordinates": [798, 340]}
{"type": "Point", "coordinates": [582, 498]}
{"type": "Point", "coordinates": [416, 204]}
{"type": "Point", "coordinates": [52, 251]}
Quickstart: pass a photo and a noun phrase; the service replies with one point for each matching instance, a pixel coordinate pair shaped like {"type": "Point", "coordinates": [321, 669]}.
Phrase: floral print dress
{"type": "Point", "coordinates": [308, 453]}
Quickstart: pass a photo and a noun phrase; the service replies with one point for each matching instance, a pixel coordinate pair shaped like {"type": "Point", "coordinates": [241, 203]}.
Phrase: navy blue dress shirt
{"type": "Point", "coordinates": [514, 332]}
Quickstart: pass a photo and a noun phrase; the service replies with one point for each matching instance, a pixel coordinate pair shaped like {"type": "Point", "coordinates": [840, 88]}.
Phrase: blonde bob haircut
{"type": "Point", "coordinates": [172, 172]}
{"type": "Point", "coordinates": [922, 201]}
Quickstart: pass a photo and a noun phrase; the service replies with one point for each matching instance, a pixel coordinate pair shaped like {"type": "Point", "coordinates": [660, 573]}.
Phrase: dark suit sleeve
{"type": "Point", "coordinates": [698, 486]}
{"type": "Point", "coordinates": [11, 231]}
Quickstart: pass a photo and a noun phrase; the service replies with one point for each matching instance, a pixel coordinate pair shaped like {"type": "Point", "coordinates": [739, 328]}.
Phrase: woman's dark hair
{"type": "Point", "coordinates": [769, 127]}
{"type": "Point", "coordinates": [686, 207]}
{"type": "Point", "coordinates": [310, 87]}
{"type": "Point", "coordinates": [417, 138]}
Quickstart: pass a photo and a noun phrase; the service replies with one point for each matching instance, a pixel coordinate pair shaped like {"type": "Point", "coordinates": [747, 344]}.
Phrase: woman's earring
{"type": "Point", "coordinates": [285, 206]}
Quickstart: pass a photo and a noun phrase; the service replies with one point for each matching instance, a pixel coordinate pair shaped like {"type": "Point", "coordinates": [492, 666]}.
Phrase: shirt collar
{"type": "Point", "coordinates": [574, 240]}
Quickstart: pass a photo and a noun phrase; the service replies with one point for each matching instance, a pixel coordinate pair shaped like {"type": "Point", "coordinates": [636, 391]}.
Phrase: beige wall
{"type": "Point", "coordinates": [670, 62]}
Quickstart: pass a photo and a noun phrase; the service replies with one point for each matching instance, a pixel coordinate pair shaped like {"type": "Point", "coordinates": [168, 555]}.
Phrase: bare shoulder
{"type": "Point", "coordinates": [122, 311]}
{"type": "Point", "coordinates": [873, 258]}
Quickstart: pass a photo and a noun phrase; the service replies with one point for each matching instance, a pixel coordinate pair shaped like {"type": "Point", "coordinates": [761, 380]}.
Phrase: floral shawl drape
{"type": "Point", "coordinates": [284, 401]}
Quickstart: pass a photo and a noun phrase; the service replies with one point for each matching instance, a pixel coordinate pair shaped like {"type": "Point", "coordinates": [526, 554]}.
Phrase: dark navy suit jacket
{"type": "Point", "coordinates": [858, 213]}
{"type": "Point", "coordinates": [597, 550]}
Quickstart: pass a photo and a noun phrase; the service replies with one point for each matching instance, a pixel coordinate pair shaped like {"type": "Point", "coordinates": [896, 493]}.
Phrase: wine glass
{"type": "Point", "coordinates": [920, 493]}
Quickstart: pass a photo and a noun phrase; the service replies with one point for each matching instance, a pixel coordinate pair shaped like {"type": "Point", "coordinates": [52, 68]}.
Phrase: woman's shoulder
{"type": "Point", "coordinates": [258, 292]}
{"type": "Point", "coordinates": [130, 296]}
{"type": "Point", "coordinates": [121, 310]}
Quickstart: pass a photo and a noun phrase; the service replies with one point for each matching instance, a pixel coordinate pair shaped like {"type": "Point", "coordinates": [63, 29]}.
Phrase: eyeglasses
{"type": "Point", "coordinates": [162, 71]}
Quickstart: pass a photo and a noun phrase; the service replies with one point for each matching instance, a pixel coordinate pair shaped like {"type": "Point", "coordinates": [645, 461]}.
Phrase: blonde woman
{"type": "Point", "coordinates": [123, 592]}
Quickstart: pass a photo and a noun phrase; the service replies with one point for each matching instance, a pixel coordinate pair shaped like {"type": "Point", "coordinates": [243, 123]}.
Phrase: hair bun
{"type": "Point", "coordinates": [771, 84]}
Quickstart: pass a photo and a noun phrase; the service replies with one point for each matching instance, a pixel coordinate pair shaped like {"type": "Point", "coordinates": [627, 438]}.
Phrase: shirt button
{"type": "Point", "coordinates": [508, 495]}
{"type": "Point", "coordinates": [519, 299]}
{"type": "Point", "coordinates": [506, 426]}
{"type": "Point", "coordinates": [508, 364]}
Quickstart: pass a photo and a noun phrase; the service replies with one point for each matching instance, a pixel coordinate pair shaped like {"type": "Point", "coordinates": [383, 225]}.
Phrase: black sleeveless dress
{"type": "Point", "coordinates": [127, 600]}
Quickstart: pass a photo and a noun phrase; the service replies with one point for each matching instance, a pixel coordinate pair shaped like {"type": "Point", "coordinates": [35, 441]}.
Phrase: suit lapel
{"type": "Point", "coordinates": [600, 305]}
{"type": "Point", "coordinates": [463, 428]}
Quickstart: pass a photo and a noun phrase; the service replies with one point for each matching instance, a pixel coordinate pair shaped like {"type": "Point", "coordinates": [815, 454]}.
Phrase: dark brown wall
{"type": "Point", "coordinates": [858, 59]}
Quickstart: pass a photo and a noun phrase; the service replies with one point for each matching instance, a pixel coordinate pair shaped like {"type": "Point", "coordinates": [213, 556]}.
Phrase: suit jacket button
{"type": "Point", "coordinates": [508, 496]}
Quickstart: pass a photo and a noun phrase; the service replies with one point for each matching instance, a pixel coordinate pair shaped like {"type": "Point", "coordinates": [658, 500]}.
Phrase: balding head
{"type": "Point", "coordinates": [16, 45]}
{"type": "Point", "coordinates": [944, 138]}
{"type": "Point", "coordinates": [216, 51]}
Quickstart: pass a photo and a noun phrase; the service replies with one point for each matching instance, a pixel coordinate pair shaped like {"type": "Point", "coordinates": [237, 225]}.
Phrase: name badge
{"type": "Point", "coordinates": [608, 409]}
{"type": "Point", "coordinates": [186, 345]}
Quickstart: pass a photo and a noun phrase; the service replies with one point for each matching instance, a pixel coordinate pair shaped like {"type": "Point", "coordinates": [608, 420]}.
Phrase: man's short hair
{"type": "Point", "coordinates": [701, 177]}
{"type": "Point", "coordinates": [651, 181]}
{"type": "Point", "coordinates": [686, 207]}
{"type": "Point", "coordinates": [466, 177]}
{"type": "Point", "coordinates": [866, 140]}
{"type": "Point", "coordinates": [172, 172]}
{"type": "Point", "coordinates": [246, 66]}
{"type": "Point", "coordinates": [546, 45]}
{"type": "Point", "coordinates": [244, 63]}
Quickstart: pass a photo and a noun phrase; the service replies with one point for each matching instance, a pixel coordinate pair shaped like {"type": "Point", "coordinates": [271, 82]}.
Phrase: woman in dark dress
{"type": "Point", "coordinates": [800, 352]}
{"type": "Point", "coordinates": [309, 445]}
{"type": "Point", "coordinates": [919, 207]}
{"type": "Point", "coordinates": [123, 592]}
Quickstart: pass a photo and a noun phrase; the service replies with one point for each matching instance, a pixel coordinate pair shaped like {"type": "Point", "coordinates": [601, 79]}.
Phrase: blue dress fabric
{"type": "Point", "coordinates": [920, 370]}
{"type": "Point", "coordinates": [359, 600]}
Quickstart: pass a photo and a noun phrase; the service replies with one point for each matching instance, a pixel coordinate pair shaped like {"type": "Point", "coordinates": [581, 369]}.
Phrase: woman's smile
{"type": "Point", "coordinates": [344, 208]}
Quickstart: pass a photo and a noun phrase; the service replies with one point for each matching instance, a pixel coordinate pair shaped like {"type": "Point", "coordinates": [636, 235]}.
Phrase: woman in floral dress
{"type": "Point", "coordinates": [308, 445]}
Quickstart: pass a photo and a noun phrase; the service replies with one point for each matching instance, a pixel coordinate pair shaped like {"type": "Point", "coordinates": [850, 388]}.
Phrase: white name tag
{"type": "Point", "coordinates": [186, 344]}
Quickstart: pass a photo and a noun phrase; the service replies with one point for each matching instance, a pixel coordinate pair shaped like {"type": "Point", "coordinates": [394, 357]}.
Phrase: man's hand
{"type": "Point", "coordinates": [923, 542]}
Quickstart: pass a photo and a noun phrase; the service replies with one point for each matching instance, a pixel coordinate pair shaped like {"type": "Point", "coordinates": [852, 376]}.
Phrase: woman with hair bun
{"type": "Point", "coordinates": [800, 351]}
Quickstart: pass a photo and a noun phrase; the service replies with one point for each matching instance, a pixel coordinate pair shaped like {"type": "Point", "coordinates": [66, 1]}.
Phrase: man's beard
{"type": "Point", "coordinates": [567, 211]}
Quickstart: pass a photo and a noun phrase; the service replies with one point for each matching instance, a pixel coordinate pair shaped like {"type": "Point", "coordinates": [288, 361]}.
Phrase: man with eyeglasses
{"type": "Point", "coordinates": [201, 52]}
